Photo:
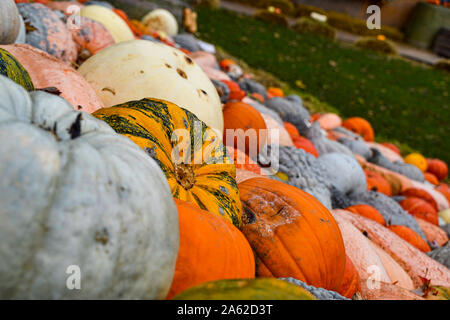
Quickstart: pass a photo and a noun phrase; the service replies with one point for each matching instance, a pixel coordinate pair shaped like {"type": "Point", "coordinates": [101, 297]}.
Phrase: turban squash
{"type": "Point", "coordinates": [292, 234]}
{"type": "Point", "coordinates": [11, 68]}
{"type": "Point", "coordinates": [211, 248]}
{"type": "Point", "coordinates": [246, 289]}
{"type": "Point", "coordinates": [360, 126]}
{"type": "Point", "coordinates": [196, 164]}
{"type": "Point", "coordinates": [70, 195]}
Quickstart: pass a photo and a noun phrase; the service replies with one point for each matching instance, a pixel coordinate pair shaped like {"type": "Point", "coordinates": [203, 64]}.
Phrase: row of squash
{"type": "Point", "coordinates": [86, 161]}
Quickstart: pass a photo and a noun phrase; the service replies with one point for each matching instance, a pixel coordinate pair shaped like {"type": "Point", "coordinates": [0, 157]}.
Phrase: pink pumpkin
{"type": "Point", "coordinates": [330, 121]}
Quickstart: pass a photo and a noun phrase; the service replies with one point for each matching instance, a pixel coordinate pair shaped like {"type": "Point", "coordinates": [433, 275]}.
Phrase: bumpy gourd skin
{"type": "Point", "coordinates": [391, 211]}
{"type": "Point", "coordinates": [405, 169]}
{"type": "Point", "coordinates": [441, 255]}
{"type": "Point", "coordinates": [289, 110]}
{"type": "Point", "coordinates": [75, 193]}
{"type": "Point", "coordinates": [319, 293]}
{"type": "Point", "coordinates": [357, 146]}
{"type": "Point", "coordinates": [323, 144]}
{"type": "Point", "coordinates": [303, 171]}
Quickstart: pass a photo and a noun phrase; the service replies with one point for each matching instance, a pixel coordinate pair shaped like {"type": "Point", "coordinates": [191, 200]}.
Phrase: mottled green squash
{"type": "Point", "coordinates": [246, 289]}
{"type": "Point", "coordinates": [11, 68]}
{"type": "Point", "coordinates": [197, 165]}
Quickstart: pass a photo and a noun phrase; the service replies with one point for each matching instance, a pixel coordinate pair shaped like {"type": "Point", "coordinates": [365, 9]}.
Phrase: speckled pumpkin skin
{"type": "Point", "coordinates": [208, 182]}
{"type": "Point", "coordinates": [246, 289]}
{"type": "Point", "coordinates": [47, 32]}
{"type": "Point", "coordinates": [11, 68]}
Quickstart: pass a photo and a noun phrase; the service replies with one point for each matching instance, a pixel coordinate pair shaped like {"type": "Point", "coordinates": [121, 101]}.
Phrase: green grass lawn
{"type": "Point", "coordinates": [405, 102]}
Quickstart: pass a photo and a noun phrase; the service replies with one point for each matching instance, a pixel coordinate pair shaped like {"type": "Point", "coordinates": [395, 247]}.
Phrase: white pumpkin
{"type": "Point", "coordinates": [110, 20]}
{"type": "Point", "coordinates": [74, 194]}
{"type": "Point", "coordinates": [138, 69]}
{"type": "Point", "coordinates": [161, 20]}
{"type": "Point", "coordinates": [9, 21]}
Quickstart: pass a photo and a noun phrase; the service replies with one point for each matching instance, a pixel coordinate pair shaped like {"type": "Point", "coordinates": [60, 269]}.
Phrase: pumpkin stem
{"type": "Point", "coordinates": [184, 174]}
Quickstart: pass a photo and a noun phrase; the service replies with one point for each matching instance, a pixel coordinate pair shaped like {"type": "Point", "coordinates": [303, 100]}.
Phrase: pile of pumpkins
{"type": "Point", "coordinates": [92, 111]}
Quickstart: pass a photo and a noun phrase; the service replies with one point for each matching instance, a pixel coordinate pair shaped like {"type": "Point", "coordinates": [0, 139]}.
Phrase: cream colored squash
{"type": "Point", "coordinates": [139, 69]}
{"type": "Point", "coordinates": [9, 21]}
{"type": "Point", "coordinates": [74, 194]}
{"type": "Point", "coordinates": [111, 21]}
{"type": "Point", "coordinates": [161, 20]}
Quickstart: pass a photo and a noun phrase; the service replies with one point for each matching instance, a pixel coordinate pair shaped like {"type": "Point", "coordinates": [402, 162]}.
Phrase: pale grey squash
{"type": "Point", "coordinates": [9, 21]}
{"type": "Point", "coordinates": [73, 192]}
{"type": "Point", "coordinates": [322, 144]}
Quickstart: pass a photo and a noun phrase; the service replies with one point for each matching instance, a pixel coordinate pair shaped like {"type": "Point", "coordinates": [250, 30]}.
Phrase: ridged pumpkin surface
{"type": "Point", "coordinates": [410, 236]}
{"type": "Point", "coordinates": [11, 68]}
{"type": "Point", "coordinates": [437, 167]}
{"type": "Point", "coordinates": [246, 289]}
{"type": "Point", "coordinates": [368, 212]}
{"type": "Point", "coordinates": [377, 182]}
{"type": "Point", "coordinates": [210, 249]}
{"type": "Point", "coordinates": [351, 282]}
{"type": "Point", "coordinates": [208, 180]}
{"type": "Point", "coordinates": [422, 194]}
{"type": "Point", "coordinates": [421, 209]}
{"type": "Point", "coordinates": [292, 234]}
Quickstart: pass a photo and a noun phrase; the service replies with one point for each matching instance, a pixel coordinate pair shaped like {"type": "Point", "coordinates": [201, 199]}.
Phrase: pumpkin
{"type": "Point", "coordinates": [359, 249]}
{"type": "Point", "coordinates": [416, 263]}
{"type": "Point", "coordinates": [368, 212]}
{"type": "Point", "coordinates": [244, 128]}
{"type": "Point", "coordinates": [396, 273]}
{"type": "Point", "coordinates": [397, 181]}
{"type": "Point", "coordinates": [410, 236]}
{"type": "Point", "coordinates": [11, 68]}
{"type": "Point", "coordinates": [246, 289]}
{"type": "Point", "coordinates": [281, 223]}
{"type": "Point", "coordinates": [378, 290]}
{"type": "Point", "coordinates": [360, 126]}
{"type": "Point", "coordinates": [225, 64]}
{"type": "Point", "coordinates": [377, 182]}
{"type": "Point", "coordinates": [263, 109]}
{"type": "Point", "coordinates": [385, 151]}
{"type": "Point", "coordinates": [391, 146]}
{"type": "Point", "coordinates": [438, 197]}
{"type": "Point", "coordinates": [441, 255]}
{"type": "Point", "coordinates": [243, 161]}
{"type": "Point", "coordinates": [253, 88]}
{"type": "Point", "coordinates": [351, 283]}
{"type": "Point", "coordinates": [211, 249]}
{"type": "Point", "coordinates": [329, 121]}
{"type": "Point", "coordinates": [290, 111]}
{"type": "Point", "coordinates": [433, 233]}
{"type": "Point", "coordinates": [118, 28]}
{"type": "Point", "coordinates": [357, 146]}
{"type": "Point", "coordinates": [444, 189]}
{"type": "Point", "coordinates": [47, 32]}
{"type": "Point", "coordinates": [276, 133]}
{"type": "Point", "coordinates": [421, 209]}
{"type": "Point", "coordinates": [236, 93]}
{"type": "Point", "coordinates": [9, 22]}
{"type": "Point", "coordinates": [416, 160]}
{"type": "Point", "coordinates": [47, 71]}
{"type": "Point", "coordinates": [391, 211]}
{"type": "Point", "coordinates": [90, 38]}
{"type": "Point", "coordinates": [291, 129]}
{"type": "Point", "coordinates": [438, 168]}
{"type": "Point", "coordinates": [324, 145]}
{"type": "Point", "coordinates": [299, 169]}
{"type": "Point", "coordinates": [204, 59]}
{"type": "Point", "coordinates": [275, 92]}
{"type": "Point", "coordinates": [422, 194]}
{"type": "Point", "coordinates": [445, 215]}
{"type": "Point", "coordinates": [344, 173]}
{"type": "Point", "coordinates": [196, 164]}
{"type": "Point", "coordinates": [161, 20]}
{"type": "Point", "coordinates": [242, 175]}
{"type": "Point", "coordinates": [305, 144]}
{"type": "Point", "coordinates": [146, 69]}
{"type": "Point", "coordinates": [431, 178]}
{"type": "Point", "coordinates": [73, 180]}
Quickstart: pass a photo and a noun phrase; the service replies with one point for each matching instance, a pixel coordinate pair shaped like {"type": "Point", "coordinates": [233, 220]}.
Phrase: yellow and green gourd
{"type": "Point", "coordinates": [11, 68]}
{"type": "Point", "coordinates": [246, 289]}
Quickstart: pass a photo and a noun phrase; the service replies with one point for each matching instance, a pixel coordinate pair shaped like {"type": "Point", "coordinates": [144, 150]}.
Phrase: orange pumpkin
{"type": "Point", "coordinates": [438, 168]}
{"type": "Point", "coordinates": [360, 126]}
{"type": "Point", "coordinates": [211, 248]}
{"type": "Point", "coordinates": [433, 232]}
{"type": "Point", "coordinates": [244, 124]}
{"type": "Point", "coordinates": [90, 38]}
{"type": "Point", "coordinates": [291, 129]}
{"type": "Point", "coordinates": [368, 212]}
{"type": "Point", "coordinates": [236, 93]}
{"type": "Point", "coordinates": [257, 97]}
{"type": "Point", "coordinates": [275, 92]}
{"type": "Point", "coordinates": [445, 190]}
{"type": "Point", "coordinates": [243, 161]}
{"type": "Point", "coordinates": [305, 144]}
{"type": "Point", "coordinates": [47, 71]}
{"type": "Point", "coordinates": [422, 194]}
{"type": "Point", "coordinates": [419, 208]}
{"type": "Point", "coordinates": [377, 182]}
{"type": "Point", "coordinates": [392, 146]}
{"type": "Point", "coordinates": [292, 234]}
{"type": "Point", "coordinates": [410, 236]}
{"type": "Point", "coordinates": [431, 178]}
{"type": "Point", "coordinates": [225, 64]}
{"type": "Point", "coordinates": [351, 282]}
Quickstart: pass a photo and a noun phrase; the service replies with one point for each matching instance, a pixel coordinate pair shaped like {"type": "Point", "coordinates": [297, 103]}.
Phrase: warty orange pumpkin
{"type": "Point", "coordinates": [197, 165]}
{"type": "Point", "coordinates": [292, 234]}
{"type": "Point", "coordinates": [211, 249]}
